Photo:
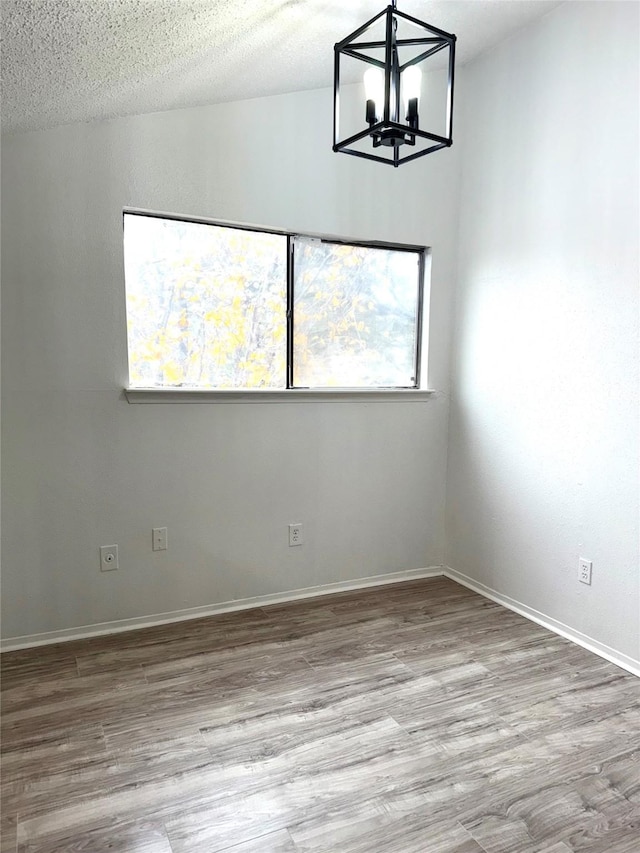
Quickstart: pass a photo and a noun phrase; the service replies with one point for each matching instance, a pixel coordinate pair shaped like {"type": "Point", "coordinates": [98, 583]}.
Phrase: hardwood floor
{"type": "Point", "coordinates": [414, 718]}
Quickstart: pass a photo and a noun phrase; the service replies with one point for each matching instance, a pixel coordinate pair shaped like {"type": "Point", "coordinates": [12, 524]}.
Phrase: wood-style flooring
{"type": "Point", "coordinates": [413, 718]}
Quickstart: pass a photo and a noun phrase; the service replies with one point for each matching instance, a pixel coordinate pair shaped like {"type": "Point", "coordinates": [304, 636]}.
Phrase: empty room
{"type": "Point", "coordinates": [320, 426]}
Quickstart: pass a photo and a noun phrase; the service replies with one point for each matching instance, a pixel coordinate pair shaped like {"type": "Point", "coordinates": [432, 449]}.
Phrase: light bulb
{"type": "Point", "coordinates": [411, 81]}
{"type": "Point", "coordinates": [374, 88]}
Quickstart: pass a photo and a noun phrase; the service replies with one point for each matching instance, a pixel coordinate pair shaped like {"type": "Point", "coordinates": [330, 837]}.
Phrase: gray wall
{"type": "Point", "coordinates": [543, 448]}
{"type": "Point", "coordinates": [83, 468]}
{"type": "Point", "coordinates": [543, 435]}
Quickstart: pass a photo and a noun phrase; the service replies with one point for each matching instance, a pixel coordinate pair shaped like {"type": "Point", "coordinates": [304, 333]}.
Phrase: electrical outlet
{"type": "Point", "coordinates": [109, 558]}
{"type": "Point", "coordinates": [295, 535]}
{"type": "Point", "coordinates": [584, 571]}
{"type": "Point", "coordinates": [159, 539]}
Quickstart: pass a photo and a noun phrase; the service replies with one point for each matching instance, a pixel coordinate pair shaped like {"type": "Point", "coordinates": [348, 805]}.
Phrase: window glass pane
{"type": "Point", "coordinates": [206, 305]}
{"type": "Point", "coordinates": [355, 315]}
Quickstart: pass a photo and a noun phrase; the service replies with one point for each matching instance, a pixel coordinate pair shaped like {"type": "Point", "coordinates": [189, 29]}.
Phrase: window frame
{"type": "Point", "coordinates": [415, 393]}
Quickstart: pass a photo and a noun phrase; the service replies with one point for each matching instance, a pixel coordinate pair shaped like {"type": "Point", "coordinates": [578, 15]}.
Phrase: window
{"type": "Point", "coordinates": [221, 307]}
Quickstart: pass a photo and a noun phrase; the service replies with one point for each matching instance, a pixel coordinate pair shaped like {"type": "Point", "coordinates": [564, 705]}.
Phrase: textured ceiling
{"type": "Point", "coordinates": [79, 60]}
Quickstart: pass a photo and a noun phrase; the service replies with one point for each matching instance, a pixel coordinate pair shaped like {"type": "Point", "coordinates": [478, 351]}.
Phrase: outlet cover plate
{"type": "Point", "coordinates": [109, 558]}
{"type": "Point", "coordinates": [159, 538]}
{"type": "Point", "coordinates": [295, 535]}
{"type": "Point", "coordinates": [584, 571]}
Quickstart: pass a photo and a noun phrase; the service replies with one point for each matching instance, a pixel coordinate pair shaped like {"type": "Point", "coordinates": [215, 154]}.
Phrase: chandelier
{"type": "Point", "coordinates": [388, 121]}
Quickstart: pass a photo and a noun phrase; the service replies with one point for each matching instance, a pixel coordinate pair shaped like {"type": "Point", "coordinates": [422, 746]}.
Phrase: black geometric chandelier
{"type": "Point", "coordinates": [394, 48]}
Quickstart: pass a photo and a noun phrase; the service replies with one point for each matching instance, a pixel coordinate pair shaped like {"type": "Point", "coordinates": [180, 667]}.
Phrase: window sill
{"type": "Point", "coordinates": [301, 395]}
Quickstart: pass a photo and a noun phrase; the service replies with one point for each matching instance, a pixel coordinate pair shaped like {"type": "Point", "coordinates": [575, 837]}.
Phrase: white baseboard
{"type": "Point", "coordinates": [30, 640]}
{"type": "Point", "coordinates": [624, 661]}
